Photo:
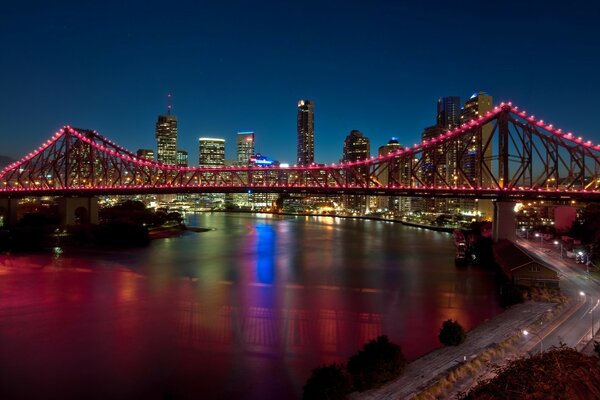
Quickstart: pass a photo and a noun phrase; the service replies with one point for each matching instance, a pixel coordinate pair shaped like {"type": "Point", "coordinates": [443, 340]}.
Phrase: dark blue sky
{"type": "Point", "coordinates": [376, 66]}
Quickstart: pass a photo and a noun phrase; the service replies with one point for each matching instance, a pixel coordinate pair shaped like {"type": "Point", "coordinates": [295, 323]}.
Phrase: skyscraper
{"type": "Point", "coordinates": [211, 152]}
{"type": "Point", "coordinates": [306, 132]}
{"type": "Point", "coordinates": [245, 147]}
{"type": "Point", "coordinates": [357, 147]}
{"type": "Point", "coordinates": [166, 137]}
{"type": "Point", "coordinates": [448, 112]}
{"type": "Point", "coordinates": [182, 158]}
{"type": "Point", "coordinates": [478, 104]}
{"type": "Point", "coordinates": [393, 175]}
{"type": "Point", "coordinates": [478, 175]}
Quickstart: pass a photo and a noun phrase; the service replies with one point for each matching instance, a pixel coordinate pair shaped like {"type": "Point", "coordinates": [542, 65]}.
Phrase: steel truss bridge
{"type": "Point", "coordinates": [504, 154]}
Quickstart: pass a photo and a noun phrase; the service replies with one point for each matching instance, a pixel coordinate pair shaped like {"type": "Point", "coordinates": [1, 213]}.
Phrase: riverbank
{"type": "Point", "coordinates": [444, 229]}
{"type": "Point", "coordinates": [438, 373]}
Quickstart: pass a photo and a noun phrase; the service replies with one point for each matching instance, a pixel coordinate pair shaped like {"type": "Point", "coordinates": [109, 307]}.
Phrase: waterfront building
{"type": "Point", "coordinates": [245, 147]}
{"type": "Point", "coordinates": [182, 158]}
{"type": "Point", "coordinates": [392, 175]}
{"type": "Point", "coordinates": [478, 104]}
{"type": "Point", "coordinates": [147, 154]}
{"type": "Point", "coordinates": [306, 132]}
{"type": "Point", "coordinates": [448, 112]}
{"type": "Point", "coordinates": [211, 152]}
{"type": "Point", "coordinates": [245, 151]}
{"type": "Point", "coordinates": [166, 138]}
{"type": "Point", "coordinates": [357, 147]}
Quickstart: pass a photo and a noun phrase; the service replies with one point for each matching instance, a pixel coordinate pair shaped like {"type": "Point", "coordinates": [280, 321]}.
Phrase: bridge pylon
{"type": "Point", "coordinates": [504, 224]}
{"type": "Point", "coordinates": [78, 210]}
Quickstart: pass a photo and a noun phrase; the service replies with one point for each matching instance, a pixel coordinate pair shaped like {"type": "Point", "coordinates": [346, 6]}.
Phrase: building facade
{"type": "Point", "coordinates": [393, 175]}
{"type": "Point", "coordinates": [306, 132]}
{"type": "Point", "coordinates": [211, 152]}
{"type": "Point", "coordinates": [166, 139]}
{"type": "Point", "coordinates": [357, 147]}
{"type": "Point", "coordinates": [147, 154]}
{"type": "Point", "coordinates": [478, 146]}
{"type": "Point", "coordinates": [245, 147]}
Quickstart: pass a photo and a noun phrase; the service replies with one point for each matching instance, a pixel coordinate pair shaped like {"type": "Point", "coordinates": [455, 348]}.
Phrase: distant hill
{"type": "Point", "coordinates": [4, 160]}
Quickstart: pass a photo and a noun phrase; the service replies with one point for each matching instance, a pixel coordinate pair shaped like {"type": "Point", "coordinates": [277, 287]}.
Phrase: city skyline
{"type": "Point", "coordinates": [243, 68]}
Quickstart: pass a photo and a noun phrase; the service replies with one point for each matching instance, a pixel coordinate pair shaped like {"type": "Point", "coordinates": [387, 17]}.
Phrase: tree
{"type": "Point", "coordinates": [559, 373]}
{"type": "Point", "coordinates": [329, 382]}
{"type": "Point", "coordinates": [452, 333]}
{"type": "Point", "coordinates": [378, 362]}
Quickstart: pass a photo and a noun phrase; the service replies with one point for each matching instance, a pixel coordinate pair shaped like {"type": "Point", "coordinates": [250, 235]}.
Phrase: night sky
{"type": "Point", "coordinates": [375, 66]}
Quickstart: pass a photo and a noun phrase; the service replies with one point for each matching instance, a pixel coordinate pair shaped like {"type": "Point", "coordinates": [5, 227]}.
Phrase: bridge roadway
{"type": "Point", "coordinates": [571, 326]}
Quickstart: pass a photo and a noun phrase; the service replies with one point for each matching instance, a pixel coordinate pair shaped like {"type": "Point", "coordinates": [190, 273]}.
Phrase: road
{"type": "Point", "coordinates": [576, 329]}
{"type": "Point", "coordinates": [572, 327]}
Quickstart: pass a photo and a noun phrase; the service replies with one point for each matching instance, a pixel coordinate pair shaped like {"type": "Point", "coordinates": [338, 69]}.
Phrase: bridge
{"type": "Point", "coordinates": [505, 155]}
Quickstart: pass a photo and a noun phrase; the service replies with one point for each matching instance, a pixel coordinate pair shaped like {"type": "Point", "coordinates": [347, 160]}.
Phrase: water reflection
{"type": "Point", "coordinates": [243, 311]}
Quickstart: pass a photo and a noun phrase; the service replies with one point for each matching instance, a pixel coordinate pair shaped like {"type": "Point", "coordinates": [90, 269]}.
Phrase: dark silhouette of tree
{"type": "Point", "coordinates": [330, 382]}
{"type": "Point", "coordinates": [559, 373]}
{"type": "Point", "coordinates": [379, 361]}
{"type": "Point", "coordinates": [452, 333]}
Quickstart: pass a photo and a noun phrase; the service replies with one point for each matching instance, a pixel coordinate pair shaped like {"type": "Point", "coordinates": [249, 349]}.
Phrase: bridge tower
{"type": "Point", "coordinates": [504, 224]}
{"type": "Point", "coordinates": [8, 211]}
{"type": "Point", "coordinates": [78, 210]}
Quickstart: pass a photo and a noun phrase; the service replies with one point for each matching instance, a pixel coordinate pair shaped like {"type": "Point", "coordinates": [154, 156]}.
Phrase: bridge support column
{"type": "Point", "coordinates": [8, 211]}
{"type": "Point", "coordinates": [505, 220]}
{"type": "Point", "coordinates": [78, 210]}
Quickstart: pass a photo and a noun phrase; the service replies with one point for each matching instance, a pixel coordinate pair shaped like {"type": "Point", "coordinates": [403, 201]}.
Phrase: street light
{"type": "Point", "coordinates": [587, 260]}
{"type": "Point", "coordinates": [526, 332]}
{"type": "Point", "coordinates": [541, 238]}
{"type": "Point", "coordinates": [591, 310]}
{"type": "Point", "coordinates": [556, 242]}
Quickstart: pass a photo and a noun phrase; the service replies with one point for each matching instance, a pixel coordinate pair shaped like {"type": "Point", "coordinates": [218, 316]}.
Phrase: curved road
{"type": "Point", "coordinates": [573, 331]}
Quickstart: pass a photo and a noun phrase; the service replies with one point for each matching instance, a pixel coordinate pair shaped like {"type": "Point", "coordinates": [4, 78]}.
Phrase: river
{"type": "Point", "coordinates": [243, 311]}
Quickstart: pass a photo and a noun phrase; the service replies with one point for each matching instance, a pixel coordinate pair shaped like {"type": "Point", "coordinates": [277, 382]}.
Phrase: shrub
{"type": "Point", "coordinates": [452, 333]}
{"type": "Point", "coordinates": [378, 362]}
{"type": "Point", "coordinates": [329, 382]}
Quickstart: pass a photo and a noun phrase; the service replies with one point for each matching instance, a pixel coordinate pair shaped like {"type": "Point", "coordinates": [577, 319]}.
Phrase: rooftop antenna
{"type": "Point", "coordinates": [169, 104]}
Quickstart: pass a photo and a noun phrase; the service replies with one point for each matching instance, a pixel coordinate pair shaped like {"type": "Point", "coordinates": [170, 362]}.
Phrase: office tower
{"type": "Point", "coordinates": [182, 158]}
{"type": "Point", "coordinates": [211, 152]}
{"type": "Point", "coordinates": [477, 176]}
{"type": "Point", "coordinates": [449, 117]}
{"type": "Point", "coordinates": [306, 132]}
{"type": "Point", "coordinates": [392, 176]}
{"type": "Point", "coordinates": [166, 137]}
{"type": "Point", "coordinates": [357, 147]}
{"type": "Point", "coordinates": [245, 151]}
{"type": "Point", "coordinates": [147, 154]}
{"type": "Point", "coordinates": [245, 147]}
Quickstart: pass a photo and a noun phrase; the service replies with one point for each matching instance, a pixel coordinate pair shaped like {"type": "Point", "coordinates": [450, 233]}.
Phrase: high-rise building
{"type": "Point", "coordinates": [182, 158]}
{"type": "Point", "coordinates": [448, 112]}
{"type": "Point", "coordinates": [245, 147]}
{"type": "Point", "coordinates": [393, 175]}
{"type": "Point", "coordinates": [166, 138]}
{"type": "Point", "coordinates": [211, 152]}
{"type": "Point", "coordinates": [478, 175]}
{"type": "Point", "coordinates": [306, 132]}
{"type": "Point", "coordinates": [357, 147]}
{"type": "Point", "coordinates": [148, 154]}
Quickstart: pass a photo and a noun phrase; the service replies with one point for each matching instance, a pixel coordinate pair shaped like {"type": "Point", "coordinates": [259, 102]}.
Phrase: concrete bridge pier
{"type": "Point", "coordinates": [505, 220]}
{"type": "Point", "coordinates": [8, 211]}
{"type": "Point", "coordinates": [78, 210]}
